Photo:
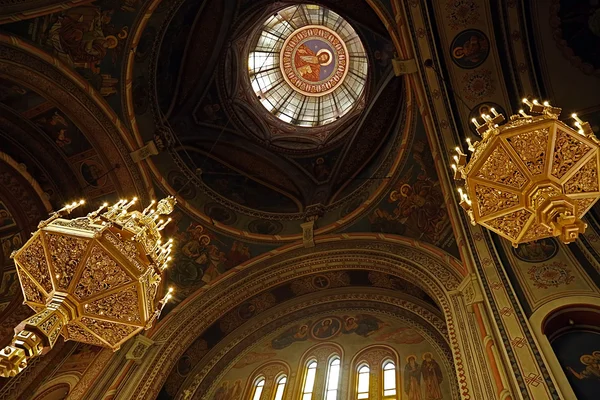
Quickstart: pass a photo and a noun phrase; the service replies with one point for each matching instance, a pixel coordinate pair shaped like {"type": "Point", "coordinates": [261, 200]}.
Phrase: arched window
{"type": "Point", "coordinates": [280, 387]}
{"type": "Point", "coordinates": [389, 380]}
{"type": "Point", "coordinates": [309, 380]}
{"type": "Point", "coordinates": [363, 382]}
{"type": "Point", "coordinates": [259, 385]}
{"type": "Point", "coordinates": [333, 379]}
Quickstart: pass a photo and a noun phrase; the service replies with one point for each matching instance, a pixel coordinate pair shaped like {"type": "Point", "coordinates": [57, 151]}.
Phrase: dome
{"type": "Point", "coordinates": [307, 65]}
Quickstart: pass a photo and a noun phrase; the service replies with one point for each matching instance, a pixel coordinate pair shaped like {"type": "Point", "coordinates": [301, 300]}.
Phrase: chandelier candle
{"type": "Point", "coordinates": [532, 177]}
{"type": "Point", "coordinates": [92, 279]}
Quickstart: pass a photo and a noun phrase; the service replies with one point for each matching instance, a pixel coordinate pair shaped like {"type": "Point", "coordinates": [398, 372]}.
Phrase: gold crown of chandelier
{"type": "Point", "coordinates": [532, 177]}
{"type": "Point", "coordinates": [92, 279]}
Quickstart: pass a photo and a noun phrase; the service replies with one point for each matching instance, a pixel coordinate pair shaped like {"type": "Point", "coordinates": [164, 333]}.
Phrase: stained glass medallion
{"type": "Point", "coordinates": [307, 66]}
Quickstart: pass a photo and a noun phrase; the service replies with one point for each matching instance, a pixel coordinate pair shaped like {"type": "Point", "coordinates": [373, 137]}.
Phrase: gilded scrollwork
{"type": "Point", "coordinates": [49, 323]}
{"type": "Point", "coordinates": [65, 253]}
{"type": "Point", "coordinates": [531, 148]}
{"type": "Point", "coordinates": [567, 152]}
{"type": "Point", "coordinates": [30, 290]}
{"type": "Point", "coordinates": [585, 180]}
{"type": "Point", "coordinates": [101, 273]}
{"type": "Point", "coordinates": [510, 224]}
{"type": "Point", "coordinates": [38, 317]}
{"type": "Point", "coordinates": [113, 333]}
{"type": "Point", "coordinates": [491, 200]}
{"type": "Point", "coordinates": [55, 332]}
{"type": "Point", "coordinates": [500, 168]}
{"type": "Point", "coordinates": [543, 194]}
{"type": "Point", "coordinates": [122, 305]}
{"type": "Point", "coordinates": [536, 231]}
{"type": "Point", "coordinates": [79, 223]}
{"type": "Point", "coordinates": [79, 334]}
{"type": "Point", "coordinates": [127, 248]}
{"type": "Point", "coordinates": [584, 204]}
{"type": "Point", "coordinates": [33, 260]}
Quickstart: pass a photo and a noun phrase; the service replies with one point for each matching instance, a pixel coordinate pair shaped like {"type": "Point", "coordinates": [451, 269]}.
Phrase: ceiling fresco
{"type": "Point", "coordinates": [240, 194]}
{"type": "Point", "coordinates": [263, 303]}
{"type": "Point", "coordinates": [83, 171]}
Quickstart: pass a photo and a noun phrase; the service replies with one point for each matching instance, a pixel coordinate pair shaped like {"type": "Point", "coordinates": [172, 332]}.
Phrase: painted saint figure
{"type": "Point", "coordinates": [412, 379]}
{"type": "Point", "coordinates": [308, 64]}
{"type": "Point", "coordinates": [592, 366]}
{"type": "Point", "coordinates": [432, 377]}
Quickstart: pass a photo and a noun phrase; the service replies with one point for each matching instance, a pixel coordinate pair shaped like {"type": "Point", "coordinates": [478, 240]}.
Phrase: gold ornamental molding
{"type": "Point", "coordinates": [532, 177]}
{"type": "Point", "coordinates": [92, 279]}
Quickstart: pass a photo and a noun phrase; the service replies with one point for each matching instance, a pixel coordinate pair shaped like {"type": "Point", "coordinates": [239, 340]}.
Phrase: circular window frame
{"type": "Point", "coordinates": [331, 107]}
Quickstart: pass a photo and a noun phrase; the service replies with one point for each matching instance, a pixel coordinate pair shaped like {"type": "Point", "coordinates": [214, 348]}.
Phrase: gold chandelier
{"type": "Point", "coordinates": [92, 279]}
{"type": "Point", "coordinates": [532, 177]}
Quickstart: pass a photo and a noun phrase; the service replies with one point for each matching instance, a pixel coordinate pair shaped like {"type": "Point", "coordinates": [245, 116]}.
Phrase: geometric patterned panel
{"type": "Point", "coordinates": [33, 260]}
{"type": "Point", "coordinates": [113, 333]}
{"type": "Point", "coordinates": [101, 273]}
{"type": "Point", "coordinates": [567, 151]}
{"type": "Point", "coordinates": [122, 305]}
{"type": "Point", "coordinates": [585, 180]}
{"type": "Point", "coordinates": [499, 168]}
{"type": "Point", "coordinates": [510, 224]}
{"type": "Point", "coordinates": [531, 148]}
{"type": "Point", "coordinates": [65, 252]}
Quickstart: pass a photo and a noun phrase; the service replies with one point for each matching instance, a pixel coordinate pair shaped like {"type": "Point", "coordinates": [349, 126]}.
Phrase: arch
{"type": "Point", "coordinates": [21, 10]}
{"type": "Point", "coordinates": [539, 325]}
{"type": "Point", "coordinates": [429, 268]}
{"type": "Point", "coordinates": [374, 356]}
{"type": "Point", "coordinates": [61, 383]}
{"type": "Point", "coordinates": [270, 371]}
{"type": "Point", "coordinates": [33, 68]}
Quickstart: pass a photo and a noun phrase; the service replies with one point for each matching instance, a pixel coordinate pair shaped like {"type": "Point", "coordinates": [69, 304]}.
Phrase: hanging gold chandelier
{"type": "Point", "coordinates": [92, 279]}
{"type": "Point", "coordinates": [532, 177]}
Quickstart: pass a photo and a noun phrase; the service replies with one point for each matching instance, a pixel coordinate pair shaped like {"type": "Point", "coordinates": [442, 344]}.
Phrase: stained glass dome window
{"type": "Point", "coordinates": [307, 65]}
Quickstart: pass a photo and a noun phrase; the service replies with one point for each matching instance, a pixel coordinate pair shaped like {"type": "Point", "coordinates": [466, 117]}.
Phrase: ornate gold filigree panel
{"type": "Point", "coordinates": [122, 305]}
{"type": "Point", "coordinates": [101, 273]}
{"type": "Point", "coordinates": [78, 333]}
{"type": "Point", "coordinates": [30, 290]}
{"type": "Point", "coordinates": [33, 260]}
{"type": "Point", "coordinates": [585, 180]}
{"type": "Point", "coordinates": [65, 254]}
{"type": "Point", "coordinates": [499, 168]}
{"type": "Point", "coordinates": [111, 332]}
{"type": "Point", "coordinates": [532, 149]}
{"type": "Point", "coordinates": [567, 152]}
{"type": "Point", "coordinates": [511, 224]}
{"type": "Point", "coordinates": [491, 200]}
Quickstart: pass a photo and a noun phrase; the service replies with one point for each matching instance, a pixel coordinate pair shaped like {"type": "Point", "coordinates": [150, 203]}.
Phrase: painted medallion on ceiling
{"type": "Point", "coordinates": [314, 60]}
{"type": "Point", "coordinates": [308, 66]}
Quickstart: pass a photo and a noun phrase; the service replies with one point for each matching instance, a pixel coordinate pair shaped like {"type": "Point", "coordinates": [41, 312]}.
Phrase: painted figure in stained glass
{"type": "Point", "coordinates": [308, 63]}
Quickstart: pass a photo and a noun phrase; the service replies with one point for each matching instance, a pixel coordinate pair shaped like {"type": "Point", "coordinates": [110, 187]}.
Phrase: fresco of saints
{"type": "Point", "coordinates": [308, 64]}
{"type": "Point", "coordinates": [412, 379]}
{"type": "Point", "coordinates": [296, 333]}
{"type": "Point", "coordinates": [432, 377]}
